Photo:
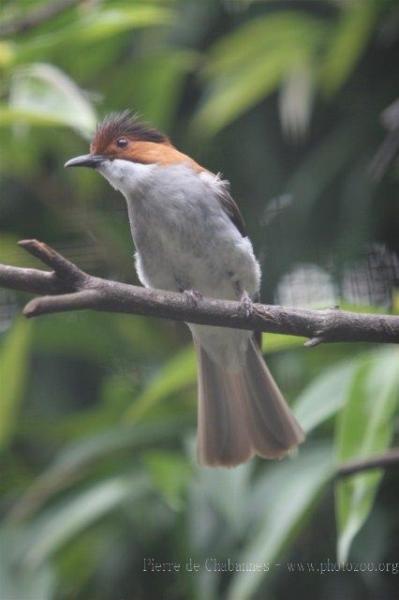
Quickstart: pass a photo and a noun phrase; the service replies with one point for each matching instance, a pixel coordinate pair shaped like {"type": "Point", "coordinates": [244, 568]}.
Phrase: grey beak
{"type": "Point", "coordinates": [86, 160]}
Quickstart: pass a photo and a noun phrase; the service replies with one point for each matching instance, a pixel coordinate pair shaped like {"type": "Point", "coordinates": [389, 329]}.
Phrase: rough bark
{"type": "Point", "coordinates": [68, 288]}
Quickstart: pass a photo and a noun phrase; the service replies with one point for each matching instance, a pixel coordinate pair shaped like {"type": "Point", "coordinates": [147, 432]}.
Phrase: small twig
{"type": "Point", "coordinates": [62, 303]}
{"type": "Point", "coordinates": [37, 16]}
{"type": "Point", "coordinates": [32, 281]}
{"type": "Point", "coordinates": [69, 288]}
{"type": "Point", "coordinates": [63, 267]}
{"type": "Point", "coordinates": [315, 341]}
{"type": "Point", "coordinates": [380, 461]}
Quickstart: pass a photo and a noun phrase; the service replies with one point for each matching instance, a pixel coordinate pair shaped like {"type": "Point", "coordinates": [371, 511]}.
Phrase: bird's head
{"type": "Point", "coordinates": [124, 150]}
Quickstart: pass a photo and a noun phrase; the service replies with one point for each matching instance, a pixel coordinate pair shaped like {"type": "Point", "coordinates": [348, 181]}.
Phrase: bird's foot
{"type": "Point", "coordinates": [193, 297]}
{"type": "Point", "coordinates": [246, 304]}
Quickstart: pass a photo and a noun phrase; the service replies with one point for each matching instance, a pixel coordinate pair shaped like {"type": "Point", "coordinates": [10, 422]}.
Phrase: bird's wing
{"type": "Point", "coordinates": [231, 209]}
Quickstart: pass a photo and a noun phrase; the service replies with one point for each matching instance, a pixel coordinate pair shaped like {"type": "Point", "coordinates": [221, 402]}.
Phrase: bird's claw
{"type": "Point", "coordinates": [247, 304]}
{"type": "Point", "coordinates": [193, 297]}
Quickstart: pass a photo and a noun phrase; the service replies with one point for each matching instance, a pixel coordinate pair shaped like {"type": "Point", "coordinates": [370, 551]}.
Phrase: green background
{"type": "Point", "coordinates": [293, 101]}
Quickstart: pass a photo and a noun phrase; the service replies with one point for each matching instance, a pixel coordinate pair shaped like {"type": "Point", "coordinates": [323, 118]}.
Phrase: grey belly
{"type": "Point", "coordinates": [175, 265]}
{"type": "Point", "coordinates": [195, 253]}
{"type": "Point", "coordinates": [176, 271]}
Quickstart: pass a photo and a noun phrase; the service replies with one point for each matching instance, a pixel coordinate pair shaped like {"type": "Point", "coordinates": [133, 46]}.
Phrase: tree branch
{"type": "Point", "coordinates": [68, 288]}
{"type": "Point", "coordinates": [380, 461]}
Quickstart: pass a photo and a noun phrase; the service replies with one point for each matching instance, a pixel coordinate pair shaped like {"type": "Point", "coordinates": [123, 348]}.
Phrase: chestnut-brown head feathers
{"type": "Point", "coordinates": [123, 136]}
{"type": "Point", "coordinates": [124, 125]}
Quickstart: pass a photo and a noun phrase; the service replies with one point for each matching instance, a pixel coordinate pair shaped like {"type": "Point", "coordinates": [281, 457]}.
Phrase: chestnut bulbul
{"type": "Point", "coordinates": [190, 237]}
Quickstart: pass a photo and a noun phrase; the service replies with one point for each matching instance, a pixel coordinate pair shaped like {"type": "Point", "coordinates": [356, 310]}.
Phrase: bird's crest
{"type": "Point", "coordinates": [124, 124]}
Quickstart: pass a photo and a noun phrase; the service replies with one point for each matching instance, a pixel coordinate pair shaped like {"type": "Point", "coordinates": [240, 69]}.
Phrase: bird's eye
{"type": "Point", "coordinates": [121, 142]}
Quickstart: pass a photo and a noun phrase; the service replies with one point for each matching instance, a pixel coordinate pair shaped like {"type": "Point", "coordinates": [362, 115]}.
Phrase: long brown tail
{"type": "Point", "coordinates": [242, 413]}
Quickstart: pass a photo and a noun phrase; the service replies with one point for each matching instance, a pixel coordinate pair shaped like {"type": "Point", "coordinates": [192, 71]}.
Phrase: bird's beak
{"type": "Point", "coordinates": [86, 160]}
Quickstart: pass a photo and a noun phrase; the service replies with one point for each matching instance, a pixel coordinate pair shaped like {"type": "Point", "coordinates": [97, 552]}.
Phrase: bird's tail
{"type": "Point", "coordinates": [242, 413]}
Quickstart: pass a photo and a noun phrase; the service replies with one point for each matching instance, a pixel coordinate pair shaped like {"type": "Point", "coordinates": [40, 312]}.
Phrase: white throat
{"type": "Point", "coordinates": [126, 176]}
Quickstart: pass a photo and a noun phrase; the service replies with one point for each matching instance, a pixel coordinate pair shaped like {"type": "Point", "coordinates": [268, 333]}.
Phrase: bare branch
{"type": "Point", "coordinates": [380, 461]}
{"type": "Point", "coordinates": [68, 288]}
{"type": "Point", "coordinates": [65, 269]}
{"type": "Point", "coordinates": [29, 280]}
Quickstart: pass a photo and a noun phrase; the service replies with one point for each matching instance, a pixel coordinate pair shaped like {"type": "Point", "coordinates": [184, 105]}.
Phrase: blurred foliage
{"type": "Point", "coordinates": [97, 411]}
{"type": "Point", "coordinates": [366, 427]}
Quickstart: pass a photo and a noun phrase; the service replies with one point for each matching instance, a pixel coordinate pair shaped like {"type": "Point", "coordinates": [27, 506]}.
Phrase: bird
{"type": "Point", "coordinates": [190, 237]}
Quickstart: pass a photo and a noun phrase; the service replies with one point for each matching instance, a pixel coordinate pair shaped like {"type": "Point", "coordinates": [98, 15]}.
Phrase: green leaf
{"type": "Point", "coordinates": [296, 100]}
{"type": "Point", "coordinates": [7, 54]}
{"type": "Point", "coordinates": [177, 374]}
{"type": "Point", "coordinates": [97, 25]}
{"type": "Point", "coordinates": [232, 94]}
{"type": "Point", "coordinates": [14, 370]}
{"type": "Point", "coordinates": [170, 473]}
{"type": "Point", "coordinates": [72, 462]}
{"type": "Point", "coordinates": [43, 94]}
{"type": "Point", "coordinates": [275, 342]}
{"type": "Point", "coordinates": [107, 22]}
{"type": "Point", "coordinates": [17, 583]}
{"type": "Point", "coordinates": [327, 158]}
{"type": "Point", "coordinates": [395, 301]}
{"type": "Point", "coordinates": [280, 501]}
{"type": "Point", "coordinates": [159, 82]}
{"type": "Point", "coordinates": [58, 525]}
{"type": "Point", "coordinates": [348, 42]}
{"type": "Point", "coordinates": [365, 428]}
{"type": "Point", "coordinates": [324, 396]}
{"type": "Point", "coordinates": [20, 116]}
{"type": "Point", "coordinates": [225, 491]}
{"type": "Point", "coordinates": [260, 36]}
{"type": "Point", "coordinates": [116, 336]}
{"type": "Point", "coordinates": [11, 253]}
{"type": "Point", "coordinates": [363, 308]}
{"type": "Point", "coordinates": [250, 63]}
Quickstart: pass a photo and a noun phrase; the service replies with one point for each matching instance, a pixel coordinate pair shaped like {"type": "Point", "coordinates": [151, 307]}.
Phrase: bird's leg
{"type": "Point", "coordinates": [244, 299]}
{"type": "Point", "coordinates": [193, 296]}
{"type": "Point", "coordinates": [247, 304]}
